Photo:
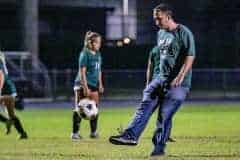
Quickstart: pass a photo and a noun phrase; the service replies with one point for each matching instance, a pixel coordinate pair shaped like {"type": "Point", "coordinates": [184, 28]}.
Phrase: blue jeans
{"type": "Point", "coordinates": [169, 104]}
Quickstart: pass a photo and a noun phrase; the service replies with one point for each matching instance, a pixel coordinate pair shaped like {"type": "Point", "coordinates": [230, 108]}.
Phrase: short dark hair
{"type": "Point", "coordinates": [164, 7]}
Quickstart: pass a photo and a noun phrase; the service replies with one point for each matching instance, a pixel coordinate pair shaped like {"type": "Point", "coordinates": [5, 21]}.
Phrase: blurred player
{"type": "Point", "coordinates": [176, 52]}
{"type": "Point", "coordinates": [152, 72]}
{"type": "Point", "coordinates": [7, 100]}
{"type": "Point", "coordinates": [88, 82]}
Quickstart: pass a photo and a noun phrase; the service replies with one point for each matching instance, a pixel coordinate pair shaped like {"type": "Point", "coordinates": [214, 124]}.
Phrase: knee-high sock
{"type": "Point", "coordinates": [3, 119]}
{"type": "Point", "coordinates": [18, 125]}
{"type": "Point", "coordinates": [76, 122]}
{"type": "Point", "coordinates": [93, 124]}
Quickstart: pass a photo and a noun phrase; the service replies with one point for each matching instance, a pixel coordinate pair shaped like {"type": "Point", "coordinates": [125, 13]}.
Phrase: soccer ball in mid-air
{"type": "Point", "coordinates": [87, 109]}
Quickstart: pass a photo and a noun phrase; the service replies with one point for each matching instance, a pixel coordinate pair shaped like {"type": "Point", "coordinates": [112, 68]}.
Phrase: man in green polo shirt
{"type": "Point", "coordinates": [176, 53]}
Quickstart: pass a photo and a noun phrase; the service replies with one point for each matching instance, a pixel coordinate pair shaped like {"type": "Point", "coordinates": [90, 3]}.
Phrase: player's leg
{"type": "Point", "coordinates": [3, 119]}
{"type": "Point", "coordinates": [170, 105]}
{"type": "Point", "coordinates": [7, 122]}
{"type": "Point", "coordinates": [168, 130]}
{"type": "Point", "coordinates": [76, 119]}
{"type": "Point", "coordinates": [19, 102]}
{"type": "Point", "coordinates": [9, 102]}
{"type": "Point", "coordinates": [135, 128]}
{"type": "Point", "coordinates": [94, 122]}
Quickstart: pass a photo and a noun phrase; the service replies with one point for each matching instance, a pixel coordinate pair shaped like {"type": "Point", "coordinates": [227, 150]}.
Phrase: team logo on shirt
{"type": "Point", "coordinates": [165, 46]}
{"type": "Point", "coordinates": [165, 42]}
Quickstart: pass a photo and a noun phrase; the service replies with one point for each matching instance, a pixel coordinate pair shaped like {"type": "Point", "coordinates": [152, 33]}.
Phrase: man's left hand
{"type": "Point", "coordinates": [177, 81]}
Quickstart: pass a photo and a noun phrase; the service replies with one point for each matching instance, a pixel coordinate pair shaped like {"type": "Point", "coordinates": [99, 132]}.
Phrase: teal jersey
{"type": "Point", "coordinates": [8, 86]}
{"type": "Point", "coordinates": [174, 46]}
{"type": "Point", "coordinates": [154, 57]}
{"type": "Point", "coordinates": [93, 63]}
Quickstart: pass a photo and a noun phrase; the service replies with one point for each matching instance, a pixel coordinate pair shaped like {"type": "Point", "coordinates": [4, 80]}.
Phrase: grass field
{"type": "Point", "coordinates": [206, 132]}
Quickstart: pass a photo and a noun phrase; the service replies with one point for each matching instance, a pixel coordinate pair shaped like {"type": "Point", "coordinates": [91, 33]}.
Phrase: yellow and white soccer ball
{"type": "Point", "coordinates": [87, 109]}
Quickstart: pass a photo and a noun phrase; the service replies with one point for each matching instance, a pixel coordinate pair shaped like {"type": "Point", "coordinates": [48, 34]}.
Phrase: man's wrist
{"type": "Point", "coordinates": [181, 74]}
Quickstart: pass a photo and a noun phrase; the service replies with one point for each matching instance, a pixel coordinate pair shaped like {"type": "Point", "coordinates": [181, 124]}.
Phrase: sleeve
{"type": "Point", "coordinates": [83, 60]}
{"type": "Point", "coordinates": [189, 43]}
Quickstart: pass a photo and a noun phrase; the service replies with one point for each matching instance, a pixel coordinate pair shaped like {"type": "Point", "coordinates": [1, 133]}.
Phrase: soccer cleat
{"type": "Point", "coordinates": [75, 136]}
{"type": "Point", "coordinates": [94, 135]}
{"type": "Point", "coordinates": [171, 140]}
{"type": "Point", "coordinates": [123, 139]}
{"type": "Point", "coordinates": [23, 136]}
{"type": "Point", "coordinates": [8, 126]}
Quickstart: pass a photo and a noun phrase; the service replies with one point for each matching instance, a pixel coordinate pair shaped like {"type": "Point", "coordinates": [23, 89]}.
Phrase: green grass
{"type": "Point", "coordinates": [208, 132]}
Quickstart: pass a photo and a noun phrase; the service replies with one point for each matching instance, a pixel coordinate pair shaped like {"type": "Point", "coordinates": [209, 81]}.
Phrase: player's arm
{"type": "Point", "coordinates": [184, 70]}
{"type": "Point", "coordinates": [189, 46]}
{"type": "Point", "coordinates": [83, 71]}
{"type": "Point", "coordinates": [101, 88]}
{"type": "Point", "coordinates": [83, 62]}
{"type": "Point", "coordinates": [1, 81]}
{"type": "Point", "coordinates": [149, 71]}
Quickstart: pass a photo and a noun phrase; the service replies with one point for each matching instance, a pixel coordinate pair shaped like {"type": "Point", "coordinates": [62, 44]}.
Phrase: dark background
{"type": "Point", "coordinates": [215, 24]}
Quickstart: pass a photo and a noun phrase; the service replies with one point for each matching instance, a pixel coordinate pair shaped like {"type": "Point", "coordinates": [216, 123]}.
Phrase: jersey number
{"type": "Point", "coordinates": [97, 66]}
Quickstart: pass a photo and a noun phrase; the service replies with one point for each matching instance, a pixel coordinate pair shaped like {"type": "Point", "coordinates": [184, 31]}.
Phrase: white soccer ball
{"type": "Point", "coordinates": [87, 109]}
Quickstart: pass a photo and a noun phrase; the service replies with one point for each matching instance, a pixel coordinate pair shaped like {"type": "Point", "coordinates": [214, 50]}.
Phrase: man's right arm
{"type": "Point", "coordinates": [83, 71]}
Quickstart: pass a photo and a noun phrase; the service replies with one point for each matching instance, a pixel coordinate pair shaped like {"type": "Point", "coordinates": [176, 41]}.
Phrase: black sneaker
{"type": "Point", "coordinates": [75, 136]}
{"type": "Point", "coordinates": [94, 135]}
{"type": "Point", "coordinates": [158, 151]}
{"type": "Point", "coordinates": [8, 126]}
{"type": "Point", "coordinates": [123, 139]}
{"type": "Point", "coordinates": [23, 136]}
{"type": "Point", "coordinates": [171, 140]}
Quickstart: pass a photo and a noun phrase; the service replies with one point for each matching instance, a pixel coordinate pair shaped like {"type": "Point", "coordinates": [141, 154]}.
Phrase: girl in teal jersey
{"type": "Point", "coordinates": [7, 100]}
{"type": "Point", "coordinates": [88, 82]}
